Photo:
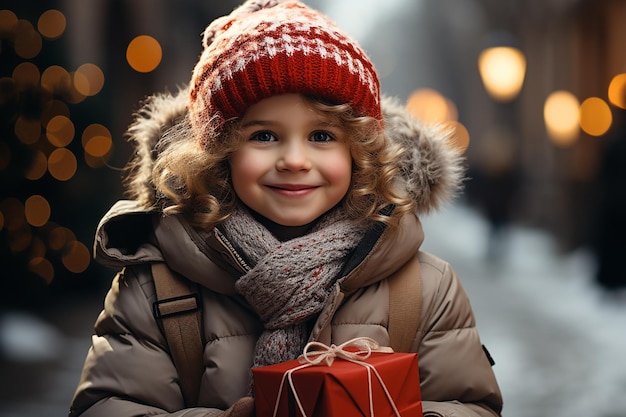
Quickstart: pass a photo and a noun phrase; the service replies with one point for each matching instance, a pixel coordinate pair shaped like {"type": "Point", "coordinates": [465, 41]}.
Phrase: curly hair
{"type": "Point", "coordinates": [195, 181]}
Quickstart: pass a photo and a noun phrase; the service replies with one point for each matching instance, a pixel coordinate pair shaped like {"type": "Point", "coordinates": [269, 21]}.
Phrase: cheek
{"type": "Point", "coordinates": [338, 170]}
{"type": "Point", "coordinates": [243, 171]}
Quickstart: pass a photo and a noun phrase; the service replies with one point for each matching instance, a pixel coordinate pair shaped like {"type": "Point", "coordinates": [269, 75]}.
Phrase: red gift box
{"type": "Point", "coordinates": [365, 383]}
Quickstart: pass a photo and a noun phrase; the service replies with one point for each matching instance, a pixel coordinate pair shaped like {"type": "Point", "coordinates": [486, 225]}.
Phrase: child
{"type": "Point", "coordinates": [282, 184]}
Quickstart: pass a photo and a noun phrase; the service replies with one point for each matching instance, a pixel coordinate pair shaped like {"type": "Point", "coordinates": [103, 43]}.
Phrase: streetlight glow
{"type": "Point", "coordinates": [561, 114]}
{"type": "Point", "coordinates": [502, 70]}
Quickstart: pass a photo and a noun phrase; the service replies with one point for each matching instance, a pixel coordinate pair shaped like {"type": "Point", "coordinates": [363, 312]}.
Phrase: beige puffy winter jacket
{"type": "Point", "coordinates": [129, 372]}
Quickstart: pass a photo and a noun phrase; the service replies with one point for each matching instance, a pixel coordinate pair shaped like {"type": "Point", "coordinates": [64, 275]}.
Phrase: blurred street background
{"type": "Point", "coordinates": [536, 93]}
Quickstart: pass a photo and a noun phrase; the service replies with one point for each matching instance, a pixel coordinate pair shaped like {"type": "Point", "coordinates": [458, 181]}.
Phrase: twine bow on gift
{"type": "Point", "coordinates": [328, 354]}
{"type": "Point", "coordinates": [323, 354]}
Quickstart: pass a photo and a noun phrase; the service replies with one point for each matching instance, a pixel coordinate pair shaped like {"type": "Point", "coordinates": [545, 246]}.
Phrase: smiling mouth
{"type": "Point", "coordinates": [292, 189]}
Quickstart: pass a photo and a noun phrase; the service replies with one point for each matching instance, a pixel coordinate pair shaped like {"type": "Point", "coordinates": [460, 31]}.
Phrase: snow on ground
{"type": "Point", "coordinates": [557, 339]}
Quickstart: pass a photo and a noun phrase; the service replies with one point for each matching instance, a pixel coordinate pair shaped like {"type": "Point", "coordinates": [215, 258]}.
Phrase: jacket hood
{"type": "Point", "coordinates": [430, 169]}
{"type": "Point", "coordinates": [131, 234]}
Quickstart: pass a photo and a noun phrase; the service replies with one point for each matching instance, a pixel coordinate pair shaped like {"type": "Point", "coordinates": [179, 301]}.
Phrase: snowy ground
{"type": "Point", "coordinates": [558, 342]}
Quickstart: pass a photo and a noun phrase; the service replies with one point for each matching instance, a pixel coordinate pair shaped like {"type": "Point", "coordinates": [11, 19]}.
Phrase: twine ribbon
{"type": "Point", "coordinates": [316, 354]}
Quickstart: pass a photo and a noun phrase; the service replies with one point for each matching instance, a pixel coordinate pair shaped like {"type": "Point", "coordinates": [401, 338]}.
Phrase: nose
{"type": "Point", "coordinates": [294, 157]}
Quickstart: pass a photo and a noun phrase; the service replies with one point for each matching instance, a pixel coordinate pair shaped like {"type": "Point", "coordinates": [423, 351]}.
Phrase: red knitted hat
{"type": "Point", "coordinates": [268, 47]}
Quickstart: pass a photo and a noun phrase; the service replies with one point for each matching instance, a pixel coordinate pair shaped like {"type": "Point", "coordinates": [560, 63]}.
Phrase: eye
{"type": "Point", "coordinates": [263, 136]}
{"type": "Point", "coordinates": [322, 136]}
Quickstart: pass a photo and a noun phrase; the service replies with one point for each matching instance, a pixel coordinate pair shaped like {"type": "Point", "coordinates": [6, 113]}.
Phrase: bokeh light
{"type": "Point", "coordinates": [59, 237]}
{"type": "Point", "coordinates": [617, 91]}
{"type": "Point", "coordinates": [595, 116]}
{"type": "Point", "coordinates": [38, 166]}
{"type": "Point", "coordinates": [144, 53]}
{"type": "Point", "coordinates": [561, 113]}
{"type": "Point", "coordinates": [27, 42]}
{"type": "Point", "coordinates": [98, 144]}
{"type": "Point", "coordinates": [8, 23]}
{"type": "Point", "coordinates": [60, 131]}
{"type": "Point", "coordinates": [56, 79]}
{"type": "Point", "coordinates": [42, 267]}
{"type": "Point", "coordinates": [26, 74]}
{"type": "Point", "coordinates": [36, 95]}
{"type": "Point", "coordinates": [62, 164]}
{"type": "Point", "coordinates": [77, 257]}
{"type": "Point", "coordinates": [431, 107]}
{"type": "Point", "coordinates": [88, 79]}
{"type": "Point", "coordinates": [37, 210]}
{"type": "Point", "coordinates": [502, 70]}
{"type": "Point", "coordinates": [51, 24]}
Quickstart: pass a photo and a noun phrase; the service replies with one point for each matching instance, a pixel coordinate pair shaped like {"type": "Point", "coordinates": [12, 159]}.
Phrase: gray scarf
{"type": "Point", "coordinates": [290, 281]}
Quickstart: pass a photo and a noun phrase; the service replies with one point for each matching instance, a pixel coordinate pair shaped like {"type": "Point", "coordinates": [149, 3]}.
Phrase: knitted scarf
{"type": "Point", "coordinates": [289, 282]}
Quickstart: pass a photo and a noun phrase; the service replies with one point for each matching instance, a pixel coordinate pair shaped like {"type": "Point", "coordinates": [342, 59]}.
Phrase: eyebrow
{"type": "Point", "coordinates": [257, 122]}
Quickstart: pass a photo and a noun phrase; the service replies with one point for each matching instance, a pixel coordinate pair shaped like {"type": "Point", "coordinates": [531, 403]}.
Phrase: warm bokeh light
{"type": "Point", "coordinates": [59, 237]}
{"type": "Point", "coordinates": [62, 164]}
{"type": "Point", "coordinates": [97, 140]}
{"type": "Point", "coordinates": [51, 24]}
{"type": "Point", "coordinates": [37, 210]}
{"type": "Point", "coordinates": [27, 42]}
{"type": "Point", "coordinates": [595, 116]}
{"type": "Point", "coordinates": [77, 257]}
{"type": "Point", "coordinates": [8, 23]}
{"type": "Point", "coordinates": [43, 268]}
{"type": "Point", "coordinates": [27, 131]}
{"type": "Point", "coordinates": [38, 167]}
{"type": "Point", "coordinates": [617, 91]}
{"type": "Point", "coordinates": [56, 79]}
{"type": "Point", "coordinates": [144, 53]}
{"type": "Point", "coordinates": [431, 107]}
{"type": "Point", "coordinates": [561, 112]}
{"type": "Point", "coordinates": [88, 79]}
{"type": "Point", "coordinates": [502, 70]}
{"type": "Point", "coordinates": [60, 131]}
{"type": "Point", "coordinates": [99, 146]}
{"type": "Point", "coordinates": [26, 74]}
{"type": "Point", "coordinates": [35, 98]}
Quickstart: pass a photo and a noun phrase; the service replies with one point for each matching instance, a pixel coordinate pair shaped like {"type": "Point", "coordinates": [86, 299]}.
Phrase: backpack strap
{"type": "Point", "coordinates": [178, 307]}
{"type": "Point", "coordinates": [405, 305]}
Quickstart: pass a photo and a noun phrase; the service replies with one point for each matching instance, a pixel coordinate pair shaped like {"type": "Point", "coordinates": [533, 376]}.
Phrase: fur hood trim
{"type": "Point", "coordinates": [431, 170]}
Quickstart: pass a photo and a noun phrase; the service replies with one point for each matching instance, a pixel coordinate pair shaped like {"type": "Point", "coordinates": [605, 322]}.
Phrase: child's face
{"type": "Point", "coordinates": [294, 165]}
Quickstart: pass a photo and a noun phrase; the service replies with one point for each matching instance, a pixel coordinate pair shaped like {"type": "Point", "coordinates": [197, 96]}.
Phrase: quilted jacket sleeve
{"type": "Point", "coordinates": [455, 372]}
{"type": "Point", "coordinates": [128, 370]}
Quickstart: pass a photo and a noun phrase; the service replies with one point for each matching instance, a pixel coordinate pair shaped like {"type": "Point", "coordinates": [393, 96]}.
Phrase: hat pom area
{"type": "Point", "coordinates": [272, 47]}
{"type": "Point", "coordinates": [221, 24]}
